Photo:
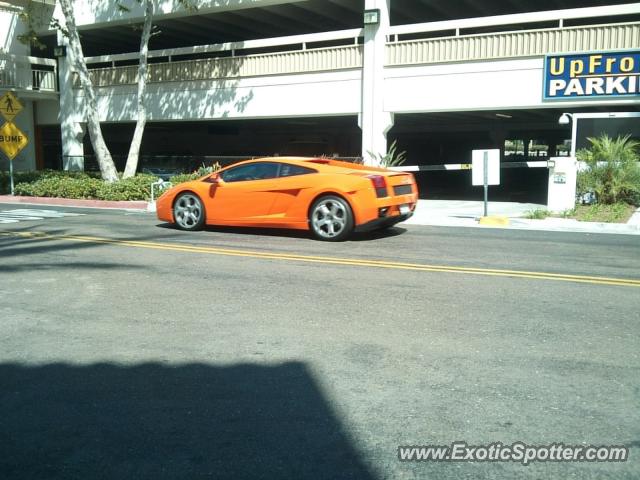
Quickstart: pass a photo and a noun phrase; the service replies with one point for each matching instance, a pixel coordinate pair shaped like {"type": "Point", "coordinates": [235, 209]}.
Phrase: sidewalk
{"type": "Point", "coordinates": [70, 202]}
{"type": "Point", "coordinates": [445, 213]}
{"type": "Point", "coordinates": [461, 213]}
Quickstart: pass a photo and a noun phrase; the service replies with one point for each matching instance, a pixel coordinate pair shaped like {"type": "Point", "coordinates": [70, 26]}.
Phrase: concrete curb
{"type": "Point", "coordinates": [548, 225]}
{"type": "Point", "coordinates": [467, 213]}
{"type": "Point", "coordinates": [572, 225]}
{"type": "Point", "coordinates": [495, 221]}
{"type": "Point", "coordinates": [635, 219]}
{"type": "Point", "coordinates": [72, 202]}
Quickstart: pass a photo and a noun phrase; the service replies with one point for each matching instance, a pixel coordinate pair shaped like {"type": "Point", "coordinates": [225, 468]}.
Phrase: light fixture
{"type": "Point", "coordinates": [504, 115]}
{"type": "Point", "coordinates": [59, 51]}
{"type": "Point", "coordinates": [372, 17]}
{"type": "Point", "coordinates": [565, 119]}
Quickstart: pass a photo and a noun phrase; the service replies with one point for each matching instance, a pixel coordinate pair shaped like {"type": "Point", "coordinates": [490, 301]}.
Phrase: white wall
{"type": "Point", "coordinates": [481, 85]}
{"type": "Point", "coordinates": [320, 94]}
{"type": "Point", "coordinates": [509, 84]}
{"type": "Point", "coordinates": [10, 27]}
{"type": "Point", "coordinates": [47, 112]}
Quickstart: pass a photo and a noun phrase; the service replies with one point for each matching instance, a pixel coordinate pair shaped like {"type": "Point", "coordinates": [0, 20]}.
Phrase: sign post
{"type": "Point", "coordinates": [11, 175]}
{"type": "Point", "coordinates": [485, 168]}
{"type": "Point", "coordinates": [485, 171]}
{"type": "Point", "coordinates": [12, 139]}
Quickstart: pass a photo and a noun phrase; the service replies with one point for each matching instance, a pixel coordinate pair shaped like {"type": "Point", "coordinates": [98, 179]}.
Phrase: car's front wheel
{"type": "Point", "coordinates": [188, 212]}
{"type": "Point", "coordinates": [331, 219]}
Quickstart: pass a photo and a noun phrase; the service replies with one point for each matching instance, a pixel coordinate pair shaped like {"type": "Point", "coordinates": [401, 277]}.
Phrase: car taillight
{"type": "Point", "coordinates": [379, 184]}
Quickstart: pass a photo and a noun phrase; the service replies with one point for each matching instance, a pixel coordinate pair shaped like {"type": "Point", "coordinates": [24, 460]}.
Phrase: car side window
{"type": "Point", "coordinates": [251, 171]}
{"type": "Point", "coordinates": [288, 170]}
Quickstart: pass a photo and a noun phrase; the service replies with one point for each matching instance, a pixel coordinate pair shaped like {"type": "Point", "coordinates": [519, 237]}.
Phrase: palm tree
{"type": "Point", "coordinates": [613, 172]}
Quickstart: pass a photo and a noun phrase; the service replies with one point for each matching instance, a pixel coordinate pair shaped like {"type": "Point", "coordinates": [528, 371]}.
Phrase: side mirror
{"type": "Point", "coordinates": [215, 180]}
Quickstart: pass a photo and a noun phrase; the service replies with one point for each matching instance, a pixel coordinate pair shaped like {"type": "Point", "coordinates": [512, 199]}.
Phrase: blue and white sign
{"type": "Point", "coordinates": [589, 75]}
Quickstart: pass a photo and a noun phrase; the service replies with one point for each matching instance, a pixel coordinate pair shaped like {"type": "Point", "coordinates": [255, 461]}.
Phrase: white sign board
{"type": "Point", "coordinates": [493, 170]}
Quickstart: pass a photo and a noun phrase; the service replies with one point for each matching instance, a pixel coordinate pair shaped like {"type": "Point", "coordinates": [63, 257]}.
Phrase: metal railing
{"type": "Point", "coordinates": [503, 36]}
{"type": "Point", "coordinates": [514, 44]}
{"type": "Point", "coordinates": [324, 59]}
{"type": "Point", "coordinates": [515, 35]}
{"type": "Point", "coordinates": [293, 54]}
{"type": "Point", "coordinates": [27, 73]}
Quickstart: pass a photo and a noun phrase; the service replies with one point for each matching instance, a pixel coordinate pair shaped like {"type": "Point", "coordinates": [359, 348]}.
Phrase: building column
{"type": "Point", "coordinates": [373, 120]}
{"type": "Point", "coordinates": [71, 126]}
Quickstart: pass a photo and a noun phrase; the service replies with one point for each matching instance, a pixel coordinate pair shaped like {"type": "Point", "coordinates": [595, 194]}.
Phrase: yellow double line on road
{"type": "Point", "coordinates": [328, 260]}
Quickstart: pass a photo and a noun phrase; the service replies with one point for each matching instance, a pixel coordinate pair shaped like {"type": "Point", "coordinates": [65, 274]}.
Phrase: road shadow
{"type": "Point", "coordinates": [285, 233]}
{"type": "Point", "coordinates": [22, 243]}
{"type": "Point", "coordinates": [153, 421]}
{"type": "Point", "coordinates": [378, 234]}
{"type": "Point", "coordinates": [56, 267]}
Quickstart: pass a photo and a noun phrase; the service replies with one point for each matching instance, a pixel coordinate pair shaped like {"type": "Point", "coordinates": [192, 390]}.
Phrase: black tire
{"type": "Point", "coordinates": [188, 212]}
{"type": "Point", "coordinates": [331, 219]}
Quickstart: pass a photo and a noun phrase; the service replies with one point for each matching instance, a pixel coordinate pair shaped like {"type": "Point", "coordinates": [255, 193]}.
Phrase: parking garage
{"type": "Point", "coordinates": [430, 135]}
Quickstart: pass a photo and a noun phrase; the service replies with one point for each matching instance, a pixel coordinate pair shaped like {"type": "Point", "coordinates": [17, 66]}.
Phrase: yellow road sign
{"type": "Point", "coordinates": [12, 140]}
{"type": "Point", "coordinates": [10, 106]}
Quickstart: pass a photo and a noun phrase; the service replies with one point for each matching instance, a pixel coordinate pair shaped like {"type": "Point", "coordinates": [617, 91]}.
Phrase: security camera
{"type": "Point", "coordinates": [565, 119]}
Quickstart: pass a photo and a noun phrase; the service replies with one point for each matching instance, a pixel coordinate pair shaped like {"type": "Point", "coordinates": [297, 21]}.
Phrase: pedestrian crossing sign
{"type": "Point", "coordinates": [10, 106]}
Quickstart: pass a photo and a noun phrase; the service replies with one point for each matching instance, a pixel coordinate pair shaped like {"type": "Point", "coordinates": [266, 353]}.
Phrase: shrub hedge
{"type": "Point", "coordinates": [61, 184]}
{"type": "Point", "coordinates": [51, 183]}
{"type": "Point", "coordinates": [185, 177]}
{"type": "Point", "coordinates": [34, 176]}
{"type": "Point", "coordinates": [136, 188]}
{"type": "Point", "coordinates": [64, 187]}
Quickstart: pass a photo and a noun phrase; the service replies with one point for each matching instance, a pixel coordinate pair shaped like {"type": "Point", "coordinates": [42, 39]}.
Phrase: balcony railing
{"type": "Point", "coordinates": [27, 73]}
{"type": "Point", "coordinates": [298, 54]}
{"type": "Point", "coordinates": [303, 61]}
{"type": "Point", "coordinates": [502, 37]}
{"type": "Point", "coordinates": [516, 35]}
{"type": "Point", "coordinates": [514, 44]}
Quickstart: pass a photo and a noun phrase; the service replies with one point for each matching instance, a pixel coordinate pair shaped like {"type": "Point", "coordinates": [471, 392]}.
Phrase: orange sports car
{"type": "Point", "coordinates": [330, 198]}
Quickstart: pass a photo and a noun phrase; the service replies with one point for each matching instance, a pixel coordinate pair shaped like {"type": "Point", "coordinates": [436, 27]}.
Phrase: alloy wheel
{"type": "Point", "coordinates": [188, 212]}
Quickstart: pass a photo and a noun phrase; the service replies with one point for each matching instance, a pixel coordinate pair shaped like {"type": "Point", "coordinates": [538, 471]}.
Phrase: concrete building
{"type": "Point", "coordinates": [238, 78]}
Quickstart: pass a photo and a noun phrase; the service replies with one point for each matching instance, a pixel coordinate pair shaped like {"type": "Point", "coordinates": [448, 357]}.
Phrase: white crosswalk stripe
{"type": "Point", "coordinates": [25, 214]}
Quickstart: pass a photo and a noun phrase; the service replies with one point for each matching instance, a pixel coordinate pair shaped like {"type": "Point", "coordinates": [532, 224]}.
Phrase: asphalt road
{"type": "Point", "coordinates": [132, 350]}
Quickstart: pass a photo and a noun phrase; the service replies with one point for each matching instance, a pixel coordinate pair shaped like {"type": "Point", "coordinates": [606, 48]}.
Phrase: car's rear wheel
{"type": "Point", "coordinates": [331, 219]}
{"type": "Point", "coordinates": [188, 212]}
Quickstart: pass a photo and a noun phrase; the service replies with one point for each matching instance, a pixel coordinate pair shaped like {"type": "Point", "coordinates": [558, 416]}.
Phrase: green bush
{"type": "Point", "coordinates": [49, 183]}
{"type": "Point", "coordinates": [614, 213]}
{"type": "Point", "coordinates": [393, 158]}
{"type": "Point", "coordinates": [135, 188]}
{"type": "Point", "coordinates": [538, 214]}
{"type": "Point", "coordinates": [184, 177]}
{"type": "Point", "coordinates": [53, 183]}
{"type": "Point", "coordinates": [64, 187]}
{"type": "Point", "coordinates": [201, 172]}
{"type": "Point", "coordinates": [18, 177]}
{"type": "Point", "coordinates": [613, 172]}
{"type": "Point", "coordinates": [33, 176]}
